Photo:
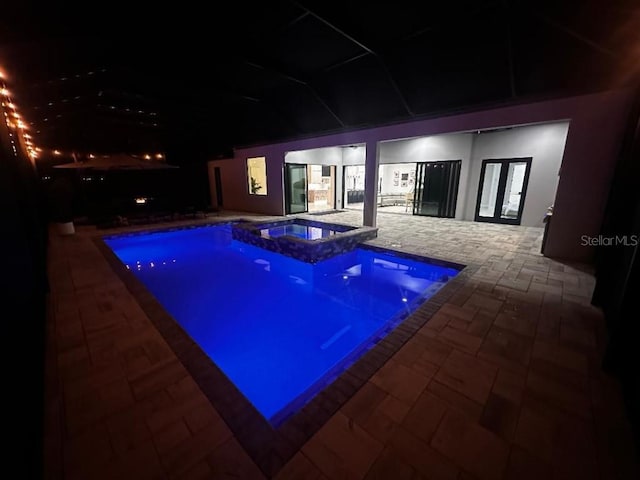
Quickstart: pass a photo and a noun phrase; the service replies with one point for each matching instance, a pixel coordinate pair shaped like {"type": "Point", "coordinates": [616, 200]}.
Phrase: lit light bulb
{"type": "Point", "coordinates": [57, 152]}
{"type": "Point", "coordinates": [4, 91]}
{"type": "Point", "coordinates": [159, 156]}
{"type": "Point", "coordinates": [147, 157]}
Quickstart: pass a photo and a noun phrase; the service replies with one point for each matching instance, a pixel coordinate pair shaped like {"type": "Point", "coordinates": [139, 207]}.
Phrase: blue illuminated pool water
{"type": "Point", "coordinates": [277, 327]}
{"type": "Point", "coordinates": [297, 230]}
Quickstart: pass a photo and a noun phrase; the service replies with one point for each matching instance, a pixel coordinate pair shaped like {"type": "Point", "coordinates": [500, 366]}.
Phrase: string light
{"type": "Point", "coordinates": [61, 153]}
{"type": "Point", "coordinates": [18, 124]}
{"type": "Point", "coordinates": [14, 121]}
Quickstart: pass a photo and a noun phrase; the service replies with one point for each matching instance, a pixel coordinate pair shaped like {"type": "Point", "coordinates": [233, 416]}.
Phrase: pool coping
{"type": "Point", "coordinates": [272, 447]}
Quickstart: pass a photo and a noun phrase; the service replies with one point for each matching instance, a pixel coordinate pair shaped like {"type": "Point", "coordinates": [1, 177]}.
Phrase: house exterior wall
{"type": "Point", "coordinates": [235, 183]}
{"type": "Point", "coordinates": [318, 156]}
{"type": "Point", "coordinates": [597, 124]}
{"type": "Point", "coordinates": [456, 146]}
{"type": "Point", "coordinates": [544, 143]}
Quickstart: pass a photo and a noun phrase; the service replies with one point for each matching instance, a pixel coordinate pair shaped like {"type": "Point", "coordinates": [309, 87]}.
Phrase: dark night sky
{"type": "Point", "coordinates": [194, 83]}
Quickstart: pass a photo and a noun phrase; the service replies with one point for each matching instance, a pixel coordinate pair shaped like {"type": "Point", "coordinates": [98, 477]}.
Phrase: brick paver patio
{"type": "Point", "coordinates": [503, 382]}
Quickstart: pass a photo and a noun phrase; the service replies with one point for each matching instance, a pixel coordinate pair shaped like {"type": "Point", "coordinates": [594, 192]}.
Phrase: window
{"type": "Point", "coordinates": [257, 175]}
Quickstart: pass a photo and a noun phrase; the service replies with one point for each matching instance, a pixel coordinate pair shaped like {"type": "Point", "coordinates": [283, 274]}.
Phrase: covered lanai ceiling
{"type": "Point", "coordinates": [194, 80]}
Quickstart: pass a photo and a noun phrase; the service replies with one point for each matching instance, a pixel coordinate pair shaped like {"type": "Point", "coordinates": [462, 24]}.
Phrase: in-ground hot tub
{"type": "Point", "coordinates": [305, 240]}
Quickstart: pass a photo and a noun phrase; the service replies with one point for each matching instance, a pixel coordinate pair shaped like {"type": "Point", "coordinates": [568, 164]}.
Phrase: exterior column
{"type": "Point", "coordinates": [370, 184]}
{"type": "Point", "coordinates": [338, 186]}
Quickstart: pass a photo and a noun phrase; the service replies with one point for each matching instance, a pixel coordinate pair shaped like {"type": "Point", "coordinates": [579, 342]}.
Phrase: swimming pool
{"type": "Point", "coordinates": [280, 329]}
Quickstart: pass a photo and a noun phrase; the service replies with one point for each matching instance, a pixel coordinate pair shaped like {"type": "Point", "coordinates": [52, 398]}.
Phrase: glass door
{"type": "Point", "coordinates": [436, 191]}
{"type": "Point", "coordinates": [502, 190]}
{"type": "Point", "coordinates": [295, 188]}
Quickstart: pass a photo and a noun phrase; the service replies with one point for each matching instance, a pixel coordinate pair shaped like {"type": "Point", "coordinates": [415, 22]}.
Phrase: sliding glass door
{"type": "Point", "coordinates": [436, 191]}
{"type": "Point", "coordinates": [502, 190]}
{"type": "Point", "coordinates": [295, 188]}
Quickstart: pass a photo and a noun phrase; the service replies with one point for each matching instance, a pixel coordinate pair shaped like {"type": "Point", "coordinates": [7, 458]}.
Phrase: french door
{"type": "Point", "coordinates": [502, 190]}
{"type": "Point", "coordinates": [295, 188]}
